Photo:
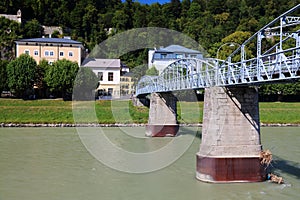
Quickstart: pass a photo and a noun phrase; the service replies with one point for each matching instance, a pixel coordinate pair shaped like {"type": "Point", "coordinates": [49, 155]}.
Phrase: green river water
{"type": "Point", "coordinates": [53, 164]}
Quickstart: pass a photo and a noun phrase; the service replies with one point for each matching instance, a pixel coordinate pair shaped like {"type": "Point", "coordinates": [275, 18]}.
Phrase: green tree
{"type": "Point", "coordinates": [9, 32]}
{"type": "Point", "coordinates": [32, 29]}
{"type": "Point", "coordinates": [60, 77]}
{"type": "Point", "coordinates": [89, 19]}
{"type": "Point", "coordinates": [120, 20]}
{"type": "Point", "coordinates": [55, 34]}
{"type": "Point", "coordinates": [139, 71]}
{"type": "Point", "coordinates": [280, 90]}
{"type": "Point", "coordinates": [21, 75]}
{"type": "Point", "coordinates": [185, 7]}
{"type": "Point", "coordinates": [152, 71]}
{"type": "Point", "coordinates": [85, 84]}
{"type": "Point", "coordinates": [139, 16]}
{"type": "Point", "coordinates": [3, 75]}
{"type": "Point", "coordinates": [155, 16]}
{"type": "Point", "coordinates": [40, 82]}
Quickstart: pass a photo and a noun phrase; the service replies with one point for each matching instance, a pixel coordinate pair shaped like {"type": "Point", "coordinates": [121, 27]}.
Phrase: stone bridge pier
{"type": "Point", "coordinates": [230, 146]}
{"type": "Point", "coordinates": [162, 115]}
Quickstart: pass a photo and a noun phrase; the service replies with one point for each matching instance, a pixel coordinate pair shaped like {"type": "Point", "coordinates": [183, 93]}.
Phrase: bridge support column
{"type": "Point", "coordinates": [230, 146]}
{"type": "Point", "coordinates": [162, 115]}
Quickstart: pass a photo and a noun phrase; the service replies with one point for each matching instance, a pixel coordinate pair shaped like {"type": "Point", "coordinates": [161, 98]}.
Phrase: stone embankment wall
{"type": "Point", "coordinates": [116, 125]}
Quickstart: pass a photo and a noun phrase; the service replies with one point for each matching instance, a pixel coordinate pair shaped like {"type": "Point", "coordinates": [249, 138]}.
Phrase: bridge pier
{"type": "Point", "coordinates": [230, 147]}
{"type": "Point", "coordinates": [162, 115]}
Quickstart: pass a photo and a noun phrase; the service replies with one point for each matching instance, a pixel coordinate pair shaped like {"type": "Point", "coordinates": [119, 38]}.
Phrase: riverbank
{"type": "Point", "coordinates": [58, 113]}
{"type": "Point", "coordinates": [120, 125]}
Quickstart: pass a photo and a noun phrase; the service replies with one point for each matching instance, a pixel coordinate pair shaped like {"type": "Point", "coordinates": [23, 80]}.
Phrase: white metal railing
{"type": "Point", "coordinates": [273, 65]}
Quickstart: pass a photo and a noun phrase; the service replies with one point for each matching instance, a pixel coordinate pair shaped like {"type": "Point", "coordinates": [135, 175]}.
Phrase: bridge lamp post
{"type": "Point", "coordinates": [231, 44]}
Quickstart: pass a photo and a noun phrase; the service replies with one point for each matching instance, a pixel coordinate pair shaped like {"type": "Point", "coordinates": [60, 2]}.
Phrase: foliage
{"type": "Point", "coordinates": [21, 74]}
{"type": "Point", "coordinates": [85, 84]}
{"type": "Point", "coordinates": [60, 77]}
{"type": "Point", "coordinates": [210, 23]}
{"type": "Point", "coordinates": [152, 71]}
{"type": "Point", "coordinates": [32, 29]}
{"type": "Point", "coordinates": [3, 75]}
{"type": "Point", "coordinates": [40, 82]}
{"type": "Point", "coordinates": [279, 91]}
{"type": "Point", "coordinates": [139, 71]}
{"type": "Point", "coordinates": [9, 32]}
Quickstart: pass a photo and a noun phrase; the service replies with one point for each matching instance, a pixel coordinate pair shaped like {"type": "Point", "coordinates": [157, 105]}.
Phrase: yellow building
{"type": "Point", "coordinates": [127, 85]}
{"type": "Point", "coordinates": [51, 49]}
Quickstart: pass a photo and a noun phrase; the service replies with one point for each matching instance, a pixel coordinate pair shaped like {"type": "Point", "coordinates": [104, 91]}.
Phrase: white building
{"type": "Point", "coordinates": [108, 72]}
{"type": "Point", "coordinates": [161, 58]}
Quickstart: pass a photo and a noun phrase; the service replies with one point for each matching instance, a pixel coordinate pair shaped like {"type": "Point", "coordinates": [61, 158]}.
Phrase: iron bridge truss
{"type": "Point", "coordinates": [279, 63]}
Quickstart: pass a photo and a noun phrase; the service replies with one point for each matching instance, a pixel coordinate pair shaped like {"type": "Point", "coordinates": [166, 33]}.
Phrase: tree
{"type": "Point", "coordinates": [9, 32]}
{"type": "Point", "coordinates": [3, 75]}
{"type": "Point", "coordinates": [40, 78]}
{"type": "Point", "coordinates": [139, 71]}
{"type": "Point", "coordinates": [277, 92]}
{"type": "Point", "coordinates": [21, 75]}
{"type": "Point", "coordinates": [32, 29]}
{"type": "Point", "coordinates": [89, 18]}
{"type": "Point", "coordinates": [60, 77]}
{"type": "Point", "coordinates": [120, 20]}
{"type": "Point", "coordinates": [85, 84]}
{"type": "Point", "coordinates": [152, 71]}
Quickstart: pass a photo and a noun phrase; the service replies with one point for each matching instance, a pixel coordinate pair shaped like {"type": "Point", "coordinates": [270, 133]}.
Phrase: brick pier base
{"type": "Point", "coordinates": [230, 146]}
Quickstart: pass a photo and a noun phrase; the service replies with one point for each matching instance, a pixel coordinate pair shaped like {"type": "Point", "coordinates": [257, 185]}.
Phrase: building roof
{"type": "Point", "coordinates": [10, 17]}
{"type": "Point", "coordinates": [103, 63]}
{"type": "Point", "coordinates": [128, 74]}
{"type": "Point", "coordinates": [50, 40]}
{"type": "Point", "coordinates": [176, 49]}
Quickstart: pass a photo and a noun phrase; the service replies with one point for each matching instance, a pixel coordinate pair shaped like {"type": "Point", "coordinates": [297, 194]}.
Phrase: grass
{"type": "Point", "coordinates": [279, 112]}
{"type": "Point", "coordinates": [110, 112]}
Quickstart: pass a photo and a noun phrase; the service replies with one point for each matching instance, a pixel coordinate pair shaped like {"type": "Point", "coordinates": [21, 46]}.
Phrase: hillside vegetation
{"type": "Point", "coordinates": [211, 23]}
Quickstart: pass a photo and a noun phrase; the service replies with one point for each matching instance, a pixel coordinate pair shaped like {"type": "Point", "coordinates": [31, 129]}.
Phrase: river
{"type": "Point", "coordinates": [54, 164]}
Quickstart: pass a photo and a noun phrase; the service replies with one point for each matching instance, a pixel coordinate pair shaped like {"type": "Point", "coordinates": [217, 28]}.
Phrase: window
{"type": "Point", "coordinates": [61, 53]}
{"type": "Point", "coordinates": [51, 53]}
{"type": "Point", "coordinates": [36, 52]}
{"type": "Point", "coordinates": [70, 53]}
{"type": "Point", "coordinates": [100, 76]}
{"type": "Point", "coordinates": [178, 56]}
{"type": "Point", "coordinates": [27, 52]}
{"type": "Point", "coordinates": [110, 76]}
{"type": "Point", "coordinates": [46, 53]}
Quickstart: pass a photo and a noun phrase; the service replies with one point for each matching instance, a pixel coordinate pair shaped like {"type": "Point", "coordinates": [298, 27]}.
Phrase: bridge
{"type": "Point", "coordinates": [278, 63]}
{"type": "Point", "coordinates": [230, 147]}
